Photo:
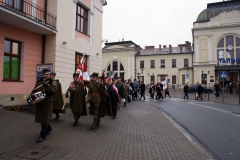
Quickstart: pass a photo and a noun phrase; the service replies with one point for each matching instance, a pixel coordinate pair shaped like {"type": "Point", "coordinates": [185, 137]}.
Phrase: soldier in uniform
{"type": "Point", "coordinates": [44, 107]}
{"type": "Point", "coordinates": [127, 91]}
{"type": "Point", "coordinates": [77, 98]}
{"type": "Point", "coordinates": [120, 87]}
{"type": "Point", "coordinates": [57, 98]}
{"type": "Point", "coordinates": [100, 103]}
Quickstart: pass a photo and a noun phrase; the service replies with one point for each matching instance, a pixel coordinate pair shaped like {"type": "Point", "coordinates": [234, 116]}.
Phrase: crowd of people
{"type": "Point", "coordinates": [158, 89]}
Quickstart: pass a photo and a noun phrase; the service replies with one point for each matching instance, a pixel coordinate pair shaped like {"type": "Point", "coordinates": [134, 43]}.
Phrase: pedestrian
{"type": "Point", "coordinates": [167, 91]}
{"type": "Point", "coordinates": [216, 86]}
{"type": "Point", "coordinates": [142, 90]}
{"type": "Point", "coordinates": [186, 90]}
{"type": "Point", "coordinates": [237, 87]}
{"type": "Point", "coordinates": [127, 92]}
{"type": "Point", "coordinates": [57, 98]}
{"type": "Point", "coordinates": [152, 91]}
{"type": "Point", "coordinates": [230, 87]}
{"type": "Point", "coordinates": [77, 98]}
{"type": "Point", "coordinates": [199, 91]}
{"type": "Point", "coordinates": [100, 102]}
{"type": "Point", "coordinates": [115, 92]}
{"type": "Point", "coordinates": [161, 90]}
{"type": "Point", "coordinates": [119, 84]}
{"type": "Point", "coordinates": [44, 108]}
{"type": "Point", "coordinates": [135, 89]}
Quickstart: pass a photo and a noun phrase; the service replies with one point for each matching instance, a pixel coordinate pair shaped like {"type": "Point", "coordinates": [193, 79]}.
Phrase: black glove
{"type": "Point", "coordinates": [66, 95]}
{"type": "Point", "coordinates": [45, 84]}
{"type": "Point", "coordinates": [70, 89]}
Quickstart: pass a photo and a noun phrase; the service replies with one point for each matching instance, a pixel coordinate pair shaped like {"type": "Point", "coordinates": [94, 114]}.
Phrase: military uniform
{"type": "Point", "coordinates": [57, 98]}
{"type": "Point", "coordinates": [44, 108]}
{"type": "Point", "coordinates": [100, 103]}
{"type": "Point", "coordinates": [121, 88]}
{"type": "Point", "coordinates": [77, 99]}
{"type": "Point", "coordinates": [127, 92]}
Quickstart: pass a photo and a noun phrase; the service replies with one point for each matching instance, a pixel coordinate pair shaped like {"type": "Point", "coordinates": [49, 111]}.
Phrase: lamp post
{"type": "Point", "coordinates": [138, 74]}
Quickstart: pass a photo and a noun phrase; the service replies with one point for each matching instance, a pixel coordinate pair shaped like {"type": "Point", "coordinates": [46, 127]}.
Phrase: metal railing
{"type": "Point", "coordinates": [31, 11]}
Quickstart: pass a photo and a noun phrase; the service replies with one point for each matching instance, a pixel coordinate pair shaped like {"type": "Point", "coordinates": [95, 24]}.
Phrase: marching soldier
{"type": "Point", "coordinates": [120, 87]}
{"type": "Point", "coordinates": [44, 107]}
{"type": "Point", "coordinates": [100, 103]}
{"type": "Point", "coordinates": [57, 98]}
{"type": "Point", "coordinates": [77, 98]}
{"type": "Point", "coordinates": [127, 92]}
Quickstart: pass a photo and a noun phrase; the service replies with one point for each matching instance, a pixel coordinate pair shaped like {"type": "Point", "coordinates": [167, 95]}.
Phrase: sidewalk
{"type": "Point", "coordinates": [140, 132]}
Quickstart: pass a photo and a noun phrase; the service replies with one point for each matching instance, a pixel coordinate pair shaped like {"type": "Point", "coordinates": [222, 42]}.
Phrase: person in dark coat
{"type": "Point", "coordinates": [167, 91]}
{"type": "Point", "coordinates": [127, 92]}
{"type": "Point", "coordinates": [142, 90]}
{"type": "Point", "coordinates": [152, 91]}
{"type": "Point", "coordinates": [115, 92]}
{"type": "Point", "coordinates": [77, 98]}
{"type": "Point", "coordinates": [100, 103]}
{"type": "Point", "coordinates": [44, 107]}
{"type": "Point", "coordinates": [161, 90]}
{"type": "Point", "coordinates": [199, 91]}
{"type": "Point", "coordinates": [216, 86]}
{"type": "Point", "coordinates": [230, 88]}
{"type": "Point", "coordinates": [186, 90]}
{"type": "Point", "coordinates": [57, 98]}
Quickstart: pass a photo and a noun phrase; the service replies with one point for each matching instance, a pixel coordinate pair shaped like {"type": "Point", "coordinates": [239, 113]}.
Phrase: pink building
{"type": "Point", "coordinates": [57, 33]}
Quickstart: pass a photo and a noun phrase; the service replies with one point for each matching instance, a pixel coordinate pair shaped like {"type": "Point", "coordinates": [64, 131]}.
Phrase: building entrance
{"type": "Point", "coordinates": [233, 77]}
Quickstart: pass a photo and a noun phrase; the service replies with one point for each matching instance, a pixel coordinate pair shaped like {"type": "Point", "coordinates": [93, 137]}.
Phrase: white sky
{"type": "Point", "coordinates": [151, 22]}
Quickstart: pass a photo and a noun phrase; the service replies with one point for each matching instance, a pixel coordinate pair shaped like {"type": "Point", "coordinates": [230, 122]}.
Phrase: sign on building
{"type": "Point", "coordinates": [187, 77]}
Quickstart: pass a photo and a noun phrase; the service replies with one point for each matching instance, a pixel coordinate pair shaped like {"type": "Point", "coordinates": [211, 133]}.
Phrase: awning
{"type": "Point", "coordinates": [185, 68]}
{"type": "Point", "coordinates": [162, 74]}
{"type": "Point", "coordinates": [227, 68]}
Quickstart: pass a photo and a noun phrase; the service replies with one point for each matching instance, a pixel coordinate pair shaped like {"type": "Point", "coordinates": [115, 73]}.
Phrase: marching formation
{"type": "Point", "coordinates": [105, 95]}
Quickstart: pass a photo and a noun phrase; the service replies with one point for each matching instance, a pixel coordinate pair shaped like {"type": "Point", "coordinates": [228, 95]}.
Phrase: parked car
{"type": "Point", "coordinates": [193, 88]}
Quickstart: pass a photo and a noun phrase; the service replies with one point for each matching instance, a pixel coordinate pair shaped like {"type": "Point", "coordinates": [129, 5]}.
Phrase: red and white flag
{"type": "Point", "coordinates": [82, 71]}
{"type": "Point", "coordinates": [110, 78]}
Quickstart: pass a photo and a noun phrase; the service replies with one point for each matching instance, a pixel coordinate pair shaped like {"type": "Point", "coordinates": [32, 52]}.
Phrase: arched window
{"type": "Point", "coordinates": [117, 67]}
{"type": "Point", "coordinates": [109, 67]}
{"type": "Point", "coordinates": [121, 67]}
{"type": "Point", "coordinates": [227, 48]}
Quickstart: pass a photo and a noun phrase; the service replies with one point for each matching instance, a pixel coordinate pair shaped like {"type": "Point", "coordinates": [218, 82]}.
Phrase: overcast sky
{"type": "Point", "coordinates": [151, 22]}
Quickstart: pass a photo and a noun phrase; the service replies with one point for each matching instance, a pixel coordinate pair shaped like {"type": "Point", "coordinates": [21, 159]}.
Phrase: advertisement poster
{"type": "Point", "coordinates": [40, 67]}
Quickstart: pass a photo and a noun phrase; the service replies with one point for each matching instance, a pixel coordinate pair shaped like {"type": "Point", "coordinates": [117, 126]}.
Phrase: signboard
{"type": "Point", "coordinates": [187, 77]}
{"type": "Point", "coordinates": [223, 74]}
{"type": "Point", "coordinates": [40, 67]}
{"type": "Point", "coordinates": [168, 80]}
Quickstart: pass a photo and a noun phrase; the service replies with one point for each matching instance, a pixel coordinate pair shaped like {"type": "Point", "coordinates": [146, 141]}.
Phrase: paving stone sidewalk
{"type": "Point", "coordinates": [140, 132]}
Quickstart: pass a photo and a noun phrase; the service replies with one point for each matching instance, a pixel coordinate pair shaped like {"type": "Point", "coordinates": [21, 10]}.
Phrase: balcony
{"type": "Point", "coordinates": [27, 15]}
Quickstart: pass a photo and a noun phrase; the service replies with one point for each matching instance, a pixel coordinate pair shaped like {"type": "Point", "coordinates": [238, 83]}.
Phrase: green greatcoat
{"type": "Point", "coordinates": [104, 99]}
{"type": "Point", "coordinates": [127, 91]}
{"type": "Point", "coordinates": [120, 84]}
{"type": "Point", "coordinates": [44, 108]}
{"type": "Point", "coordinates": [58, 99]}
{"type": "Point", "coordinates": [77, 99]}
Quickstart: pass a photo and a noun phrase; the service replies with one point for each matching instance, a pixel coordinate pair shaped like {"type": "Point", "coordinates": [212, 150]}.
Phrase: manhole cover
{"type": "Point", "coordinates": [34, 153]}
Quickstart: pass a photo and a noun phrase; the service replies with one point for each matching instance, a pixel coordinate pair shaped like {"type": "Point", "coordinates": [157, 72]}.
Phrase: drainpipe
{"type": "Point", "coordinates": [43, 48]}
{"type": "Point", "coordinates": [45, 11]}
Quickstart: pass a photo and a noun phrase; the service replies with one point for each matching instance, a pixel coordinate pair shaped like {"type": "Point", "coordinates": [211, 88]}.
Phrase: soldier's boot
{"type": "Point", "coordinates": [98, 122]}
{"type": "Point", "coordinates": [124, 104]}
{"type": "Point", "coordinates": [93, 127]}
{"type": "Point", "coordinates": [57, 116]}
{"type": "Point", "coordinates": [75, 122]}
{"type": "Point", "coordinates": [43, 133]}
{"type": "Point", "coordinates": [49, 129]}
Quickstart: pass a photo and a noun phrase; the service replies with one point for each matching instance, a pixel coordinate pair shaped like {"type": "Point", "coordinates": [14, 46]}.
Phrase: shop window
{"type": "Point", "coordinates": [12, 59]}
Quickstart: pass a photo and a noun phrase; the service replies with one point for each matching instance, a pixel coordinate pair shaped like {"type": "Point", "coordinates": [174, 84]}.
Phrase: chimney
{"type": "Point", "coordinates": [164, 46]}
{"type": "Point", "coordinates": [138, 48]}
{"type": "Point", "coordinates": [149, 47]}
{"type": "Point", "coordinates": [180, 49]}
{"type": "Point", "coordinates": [170, 48]}
{"type": "Point", "coordinates": [160, 47]}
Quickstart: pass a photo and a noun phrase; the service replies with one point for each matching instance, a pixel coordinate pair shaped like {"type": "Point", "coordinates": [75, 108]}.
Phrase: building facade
{"type": "Point", "coordinates": [216, 34]}
{"type": "Point", "coordinates": [56, 33]}
{"type": "Point", "coordinates": [151, 64]}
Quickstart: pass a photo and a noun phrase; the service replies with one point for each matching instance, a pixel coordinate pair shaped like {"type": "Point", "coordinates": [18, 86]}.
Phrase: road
{"type": "Point", "coordinates": [214, 125]}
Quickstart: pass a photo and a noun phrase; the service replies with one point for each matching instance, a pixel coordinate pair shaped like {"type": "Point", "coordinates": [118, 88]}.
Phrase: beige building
{"type": "Point", "coordinates": [216, 34]}
{"type": "Point", "coordinates": [151, 64]}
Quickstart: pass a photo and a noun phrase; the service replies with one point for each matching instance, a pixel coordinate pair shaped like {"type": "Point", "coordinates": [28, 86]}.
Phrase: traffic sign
{"type": "Point", "coordinates": [223, 74]}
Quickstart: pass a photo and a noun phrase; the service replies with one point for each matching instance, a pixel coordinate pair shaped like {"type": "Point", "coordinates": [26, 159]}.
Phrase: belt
{"type": "Point", "coordinates": [95, 94]}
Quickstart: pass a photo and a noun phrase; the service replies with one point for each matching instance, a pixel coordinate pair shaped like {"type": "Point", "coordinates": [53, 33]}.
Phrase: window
{"type": "Point", "coordinates": [115, 66]}
{"type": "Point", "coordinates": [162, 78]}
{"type": "Point", "coordinates": [174, 79]}
{"type": "Point", "coordinates": [141, 64]}
{"type": "Point", "coordinates": [237, 41]}
{"type": "Point", "coordinates": [12, 59]}
{"type": "Point", "coordinates": [186, 63]}
{"type": "Point", "coordinates": [174, 63]}
{"type": "Point", "coordinates": [183, 79]}
{"type": "Point", "coordinates": [109, 67]}
{"type": "Point", "coordinates": [162, 63]}
{"type": "Point", "coordinates": [238, 54]}
{"type": "Point", "coordinates": [78, 58]}
{"type": "Point", "coordinates": [121, 67]}
{"type": "Point", "coordinates": [221, 43]}
{"type": "Point", "coordinates": [82, 19]}
{"type": "Point", "coordinates": [229, 40]}
{"type": "Point", "coordinates": [16, 4]}
{"type": "Point", "coordinates": [152, 63]}
{"type": "Point", "coordinates": [204, 79]}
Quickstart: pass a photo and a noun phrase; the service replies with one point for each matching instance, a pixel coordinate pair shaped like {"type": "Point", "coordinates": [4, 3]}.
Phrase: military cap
{"type": "Point", "coordinates": [75, 74]}
{"type": "Point", "coordinates": [46, 71]}
{"type": "Point", "coordinates": [53, 74]}
{"type": "Point", "coordinates": [94, 74]}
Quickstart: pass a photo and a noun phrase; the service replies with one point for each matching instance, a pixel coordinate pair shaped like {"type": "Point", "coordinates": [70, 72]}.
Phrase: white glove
{"type": "Point", "coordinates": [123, 100]}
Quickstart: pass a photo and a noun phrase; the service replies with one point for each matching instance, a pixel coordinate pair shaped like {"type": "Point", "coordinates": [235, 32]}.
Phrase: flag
{"type": "Point", "coordinates": [85, 73]}
{"type": "Point", "coordinates": [82, 71]}
{"type": "Point", "coordinates": [110, 78]}
{"type": "Point", "coordinates": [164, 83]}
